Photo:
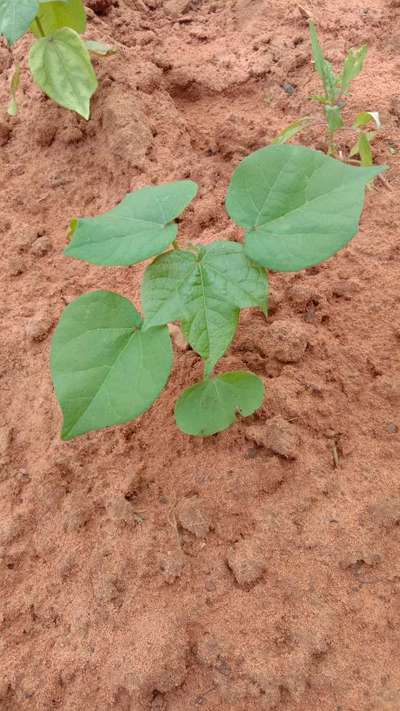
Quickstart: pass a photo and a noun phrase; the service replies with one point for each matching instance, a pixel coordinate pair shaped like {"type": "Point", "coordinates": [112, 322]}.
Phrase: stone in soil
{"type": "Point", "coordinates": [278, 435]}
{"type": "Point", "coordinates": [193, 517]}
{"type": "Point", "coordinates": [246, 563]}
{"type": "Point", "coordinates": [286, 340]}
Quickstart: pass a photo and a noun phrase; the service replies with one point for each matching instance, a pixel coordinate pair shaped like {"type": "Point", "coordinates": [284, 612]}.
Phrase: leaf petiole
{"type": "Point", "coordinates": [40, 27]}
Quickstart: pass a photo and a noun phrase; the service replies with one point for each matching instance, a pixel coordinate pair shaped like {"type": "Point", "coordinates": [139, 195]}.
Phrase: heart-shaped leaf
{"type": "Point", "coordinates": [212, 406]}
{"type": "Point", "coordinates": [15, 17]}
{"type": "Point", "coordinates": [204, 291]}
{"type": "Point", "coordinates": [139, 227]}
{"type": "Point", "coordinates": [299, 206]}
{"type": "Point", "coordinates": [61, 66]}
{"type": "Point", "coordinates": [106, 370]}
{"type": "Point", "coordinates": [56, 15]}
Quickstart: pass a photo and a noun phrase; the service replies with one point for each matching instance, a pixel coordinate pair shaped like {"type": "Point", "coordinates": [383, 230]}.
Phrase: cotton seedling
{"type": "Point", "coordinates": [297, 207]}
{"type": "Point", "coordinates": [59, 60]}
{"type": "Point", "coordinates": [333, 100]}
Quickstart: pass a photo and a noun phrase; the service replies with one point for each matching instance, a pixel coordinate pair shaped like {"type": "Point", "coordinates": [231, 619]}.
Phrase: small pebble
{"type": "Point", "coordinates": [37, 329]}
{"type": "Point", "coordinates": [391, 428]}
{"type": "Point", "coordinates": [289, 89]}
{"type": "Point", "coordinates": [246, 563]}
{"type": "Point", "coordinates": [41, 247]}
{"type": "Point", "coordinates": [192, 516]}
{"type": "Point", "coordinates": [16, 266]}
{"type": "Point", "coordinates": [278, 435]}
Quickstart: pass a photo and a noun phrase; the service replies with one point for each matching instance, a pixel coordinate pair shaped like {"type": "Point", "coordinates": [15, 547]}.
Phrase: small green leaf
{"type": "Point", "coordinates": [55, 15]}
{"type": "Point", "coordinates": [323, 67]}
{"type": "Point", "coordinates": [15, 17]}
{"type": "Point", "coordinates": [99, 48]}
{"type": "Point", "coordinates": [292, 130]}
{"type": "Point", "coordinates": [14, 84]}
{"type": "Point", "coordinates": [299, 206]}
{"type": "Point", "coordinates": [317, 53]}
{"type": "Point", "coordinates": [204, 291]}
{"type": "Point", "coordinates": [364, 149]}
{"type": "Point", "coordinates": [106, 370]}
{"type": "Point", "coordinates": [353, 65]}
{"type": "Point", "coordinates": [212, 406]}
{"type": "Point", "coordinates": [61, 66]}
{"type": "Point", "coordinates": [355, 150]}
{"type": "Point", "coordinates": [365, 117]}
{"type": "Point", "coordinates": [141, 226]}
{"type": "Point", "coordinates": [334, 117]}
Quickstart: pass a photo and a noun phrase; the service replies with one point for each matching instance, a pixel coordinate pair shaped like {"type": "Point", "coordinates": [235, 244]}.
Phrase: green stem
{"type": "Point", "coordinates": [175, 244]}
{"type": "Point", "coordinates": [40, 27]}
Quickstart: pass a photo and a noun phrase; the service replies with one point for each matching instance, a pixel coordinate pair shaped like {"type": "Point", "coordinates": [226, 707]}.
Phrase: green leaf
{"type": "Point", "coordinates": [212, 406]}
{"type": "Point", "coordinates": [353, 65]}
{"type": "Point", "coordinates": [61, 66]}
{"type": "Point", "coordinates": [99, 48]}
{"type": "Point", "coordinates": [56, 15]}
{"type": "Point", "coordinates": [204, 291]}
{"type": "Point", "coordinates": [106, 370]}
{"type": "Point", "coordinates": [292, 130]}
{"type": "Point", "coordinates": [334, 117]}
{"type": "Point", "coordinates": [365, 117]}
{"type": "Point", "coordinates": [15, 17]}
{"type": "Point", "coordinates": [355, 150]}
{"type": "Point", "coordinates": [364, 149]}
{"type": "Point", "coordinates": [299, 206]}
{"type": "Point", "coordinates": [14, 84]}
{"type": "Point", "coordinates": [318, 56]}
{"type": "Point", "coordinates": [141, 226]}
{"type": "Point", "coordinates": [323, 67]}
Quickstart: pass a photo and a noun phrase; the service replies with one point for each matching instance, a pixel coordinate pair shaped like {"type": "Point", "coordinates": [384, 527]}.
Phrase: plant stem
{"type": "Point", "coordinates": [175, 244]}
{"type": "Point", "coordinates": [331, 143]}
{"type": "Point", "coordinates": [40, 27]}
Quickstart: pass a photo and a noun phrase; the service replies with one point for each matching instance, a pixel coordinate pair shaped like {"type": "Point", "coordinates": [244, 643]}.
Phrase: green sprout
{"type": "Point", "coordinates": [333, 100]}
{"type": "Point", "coordinates": [59, 60]}
{"type": "Point", "coordinates": [109, 364]}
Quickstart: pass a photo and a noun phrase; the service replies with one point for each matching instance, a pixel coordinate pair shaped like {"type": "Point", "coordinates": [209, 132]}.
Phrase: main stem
{"type": "Point", "coordinates": [331, 143]}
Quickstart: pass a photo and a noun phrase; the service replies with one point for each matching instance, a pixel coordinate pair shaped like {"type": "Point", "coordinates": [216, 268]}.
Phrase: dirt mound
{"type": "Point", "coordinates": [259, 568]}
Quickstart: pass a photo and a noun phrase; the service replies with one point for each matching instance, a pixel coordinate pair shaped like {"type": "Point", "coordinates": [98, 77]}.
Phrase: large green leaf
{"type": "Point", "coordinates": [204, 291]}
{"type": "Point", "coordinates": [106, 370]}
{"type": "Point", "coordinates": [141, 226]}
{"type": "Point", "coordinates": [298, 205]}
{"type": "Point", "coordinates": [15, 17]}
{"type": "Point", "coordinates": [212, 406]}
{"type": "Point", "coordinates": [56, 15]}
{"type": "Point", "coordinates": [61, 65]}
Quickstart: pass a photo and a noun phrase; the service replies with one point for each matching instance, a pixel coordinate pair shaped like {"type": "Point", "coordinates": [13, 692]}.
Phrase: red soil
{"type": "Point", "coordinates": [259, 568]}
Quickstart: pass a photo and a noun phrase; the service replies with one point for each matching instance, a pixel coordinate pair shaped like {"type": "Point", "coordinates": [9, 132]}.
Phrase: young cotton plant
{"type": "Point", "coordinates": [336, 89]}
{"type": "Point", "coordinates": [59, 60]}
{"type": "Point", "coordinates": [109, 364]}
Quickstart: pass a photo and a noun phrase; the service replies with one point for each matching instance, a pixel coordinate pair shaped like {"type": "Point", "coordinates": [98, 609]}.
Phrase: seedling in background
{"type": "Point", "coordinates": [109, 364]}
{"type": "Point", "coordinates": [59, 60]}
{"type": "Point", "coordinates": [333, 100]}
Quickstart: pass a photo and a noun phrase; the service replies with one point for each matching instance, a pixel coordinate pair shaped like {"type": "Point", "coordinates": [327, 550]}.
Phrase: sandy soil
{"type": "Point", "coordinates": [257, 569]}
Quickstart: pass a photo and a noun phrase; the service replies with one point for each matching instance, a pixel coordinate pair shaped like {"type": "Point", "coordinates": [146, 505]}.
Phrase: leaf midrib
{"type": "Point", "coordinates": [296, 209]}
